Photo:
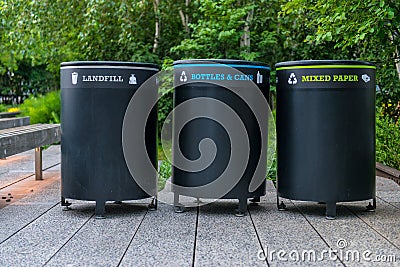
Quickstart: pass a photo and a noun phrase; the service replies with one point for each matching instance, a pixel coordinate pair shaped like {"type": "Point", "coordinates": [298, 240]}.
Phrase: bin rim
{"type": "Point", "coordinates": [109, 63]}
{"type": "Point", "coordinates": [324, 64]}
{"type": "Point", "coordinates": [235, 63]}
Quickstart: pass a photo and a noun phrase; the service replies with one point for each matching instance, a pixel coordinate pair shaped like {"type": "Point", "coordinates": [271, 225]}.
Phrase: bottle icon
{"type": "Point", "coordinates": [132, 79]}
{"type": "Point", "coordinates": [259, 77]}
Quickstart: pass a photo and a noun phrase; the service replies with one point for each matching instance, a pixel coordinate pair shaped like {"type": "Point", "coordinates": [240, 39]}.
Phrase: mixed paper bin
{"type": "Point", "coordinates": [325, 122]}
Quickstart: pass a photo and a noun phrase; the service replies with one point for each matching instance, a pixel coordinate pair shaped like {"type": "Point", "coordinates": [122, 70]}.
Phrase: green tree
{"type": "Point", "coordinates": [365, 30]}
{"type": "Point", "coordinates": [216, 30]}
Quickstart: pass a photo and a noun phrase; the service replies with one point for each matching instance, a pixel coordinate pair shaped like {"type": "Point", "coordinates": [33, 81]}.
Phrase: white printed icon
{"type": "Point", "coordinates": [259, 77]}
{"type": "Point", "coordinates": [74, 77]}
{"type": "Point", "coordinates": [292, 79]}
{"type": "Point", "coordinates": [366, 78]}
{"type": "Point", "coordinates": [183, 77]}
{"type": "Point", "coordinates": [132, 79]}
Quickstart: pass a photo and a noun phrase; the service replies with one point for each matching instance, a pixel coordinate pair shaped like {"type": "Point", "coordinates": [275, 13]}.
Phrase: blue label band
{"type": "Point", "coordinates": [222, 65]}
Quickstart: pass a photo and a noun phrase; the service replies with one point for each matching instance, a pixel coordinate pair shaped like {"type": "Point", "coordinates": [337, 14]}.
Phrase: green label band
{"type": "Point", "coordinates": [327, 67]}
{"type": "Point", "coordinates": [345, 77]}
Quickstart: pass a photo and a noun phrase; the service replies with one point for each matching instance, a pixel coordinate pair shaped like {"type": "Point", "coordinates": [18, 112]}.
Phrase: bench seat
{"type": "Point", "coordinates": [20, 139]}
{"type": "Point", "coordinates": [7, 123]}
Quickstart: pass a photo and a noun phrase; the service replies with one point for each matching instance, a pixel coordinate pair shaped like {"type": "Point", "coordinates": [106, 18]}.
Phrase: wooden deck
{"type": "Point", "coordinates": [35, 231]}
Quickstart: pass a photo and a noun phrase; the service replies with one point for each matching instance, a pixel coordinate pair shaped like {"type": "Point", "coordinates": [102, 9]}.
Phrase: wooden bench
{"type": "Point", "coordinates": [387, 172]}
{"type": "Point", "coordinates": [9, 114]}
{"type": "Point", "coordinates": [6, 123]}
{"type": "Point", "coordinates": [20, 139]}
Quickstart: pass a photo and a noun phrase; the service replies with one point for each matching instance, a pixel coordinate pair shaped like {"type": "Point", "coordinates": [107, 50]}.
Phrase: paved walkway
{"type": "Point", "coordinates": [35, 231]}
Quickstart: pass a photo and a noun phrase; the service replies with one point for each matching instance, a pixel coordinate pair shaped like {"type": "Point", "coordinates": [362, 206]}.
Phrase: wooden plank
{"type": "Point", "coordinates": [349, 232]}
{"type": "Point", "coordinates": [7, 123]}
{"type": "Point", "coordinates": [25, 129]}
{"type": "Point", "coordinates": [20, 139]}
{"type": "Point", "coordinates": [385, 171]}
{"type": "Point", "coordinates": [224, 238]}
{"type": "Point", "coordinates": [9, 114]}
{"type": "Point", "coordinates": [163, 239]}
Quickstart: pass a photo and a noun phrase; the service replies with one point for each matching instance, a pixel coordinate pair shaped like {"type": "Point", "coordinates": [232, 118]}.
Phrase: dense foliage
{"type": "Point", "coordinates": [27, 80]}
{"type": "Point", "coordinates": [367, 30]}
{"type": "Point", "coordinates": [47, 32]}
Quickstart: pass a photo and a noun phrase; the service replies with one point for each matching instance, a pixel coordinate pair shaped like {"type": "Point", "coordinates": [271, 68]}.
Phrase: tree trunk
{"type": "Point", "coordinates": [185, 17]}
{"type": "Point", "coordinates": [398, 62]}
{"type": "Point", "coordinates": [156, 4]}
{"type": "Point", "coordinates": [245, 38]}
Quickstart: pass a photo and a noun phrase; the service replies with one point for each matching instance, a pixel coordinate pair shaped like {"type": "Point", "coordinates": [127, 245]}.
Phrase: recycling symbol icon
{"type": "Point", "coordinates": [183, 77]}
{"type": "Point", "coordinates": [292, 79]}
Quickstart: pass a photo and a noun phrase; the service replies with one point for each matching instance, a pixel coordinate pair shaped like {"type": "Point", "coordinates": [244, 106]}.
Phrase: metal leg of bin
{"type": "Point", "coordinates": [179, 208]}
{"type": "Point", "coordinates": [330, 210]}
{"type": "Point", "coordinates": [254, 201]}
{"type": "Point", "coordinates": [65, 204]}
{"type": "Point", "coordinates": [154, 204]}
{"type": "Point", "coordinates": [373, 206]}
{"type": "Point", "coordinates": [281, 206]}
{"type": "Point", "coordinates": [242, 208]}
{"type": "Point", "coordinates": [100, 209]}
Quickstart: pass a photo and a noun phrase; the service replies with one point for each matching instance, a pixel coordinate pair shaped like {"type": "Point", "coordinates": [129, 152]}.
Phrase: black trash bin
{"type": "Point", "coordinates": [326, 132]}
{"type": "Point", "coordinates": [94, 100]}
{"type": "Point", "coordinates": [215, 95]}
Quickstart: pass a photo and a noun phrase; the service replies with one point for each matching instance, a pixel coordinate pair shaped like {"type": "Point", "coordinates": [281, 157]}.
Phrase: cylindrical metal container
{"type": "Point", "coordinates": [220, 128]}
{"type": "Point", "coordinates": [326, 131]}
{"type": "Point", "coordinates": [94, 100]}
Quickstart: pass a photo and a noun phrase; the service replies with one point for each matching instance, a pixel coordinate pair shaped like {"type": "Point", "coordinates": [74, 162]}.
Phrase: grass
{"type": "Point", "coordinates": [165, 168]}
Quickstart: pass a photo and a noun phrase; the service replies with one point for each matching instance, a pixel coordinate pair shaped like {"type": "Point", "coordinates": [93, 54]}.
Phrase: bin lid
{"type": "Point", "coordinates": [109, 63]}
{"type": "Point", "coordinates": [229, 62]}
{"type": "Point", "coordinates": [327, 63]}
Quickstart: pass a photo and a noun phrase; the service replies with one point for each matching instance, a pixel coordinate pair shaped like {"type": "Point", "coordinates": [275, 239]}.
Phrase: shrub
{"type": "Point", "coordinates": [272, 172]}
{"type": "Point", "coordinates": [164, 174]}
{"type": "Point", "coordinates": [43, 109]}
{"type": "Point", "coordinates": [387, 141]}
{"type": "Point", "coordinates": [3, 108]}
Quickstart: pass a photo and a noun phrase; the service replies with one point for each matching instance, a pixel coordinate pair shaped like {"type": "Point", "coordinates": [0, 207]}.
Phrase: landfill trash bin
{"type": "Point", "coordinates": [211, 100]}
{"type": "Point", "coordinates": [326, 132]}
{"type": "Point", "coordinates": [94, 99]}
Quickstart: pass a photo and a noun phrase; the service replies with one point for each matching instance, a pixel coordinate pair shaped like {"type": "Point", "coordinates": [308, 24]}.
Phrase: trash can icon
{"type": "Point", "coordinates": [74, 76]}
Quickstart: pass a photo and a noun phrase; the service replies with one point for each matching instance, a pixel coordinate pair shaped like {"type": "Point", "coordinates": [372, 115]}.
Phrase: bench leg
{"type": "Point", "coordinates": [38, 164]}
